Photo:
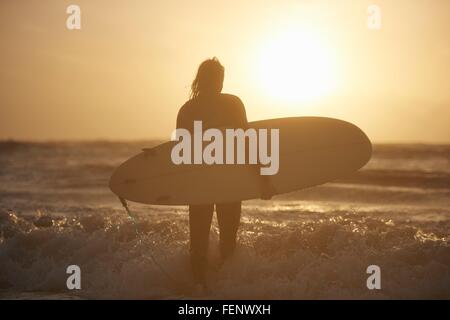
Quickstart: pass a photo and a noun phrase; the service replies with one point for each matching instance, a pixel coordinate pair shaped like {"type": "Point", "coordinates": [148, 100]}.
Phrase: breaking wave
{"type": "Point", "coordinates": [320, 257]}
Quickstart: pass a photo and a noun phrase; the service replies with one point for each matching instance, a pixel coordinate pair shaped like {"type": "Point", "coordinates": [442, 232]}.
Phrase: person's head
{"type": "Point", "coordinates": [209, 79]}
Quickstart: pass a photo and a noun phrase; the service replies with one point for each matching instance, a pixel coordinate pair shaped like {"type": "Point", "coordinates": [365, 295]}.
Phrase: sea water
{"type": "Point", "coordinates": [56, 210]}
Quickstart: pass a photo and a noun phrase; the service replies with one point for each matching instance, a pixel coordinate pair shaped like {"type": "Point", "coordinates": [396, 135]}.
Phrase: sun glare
{"type": "Point", "coordinates": [296, 67]}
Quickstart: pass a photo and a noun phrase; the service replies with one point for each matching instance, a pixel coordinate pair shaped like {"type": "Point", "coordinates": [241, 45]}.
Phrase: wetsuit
{"type": "Point", "coordinates": [221, 110]}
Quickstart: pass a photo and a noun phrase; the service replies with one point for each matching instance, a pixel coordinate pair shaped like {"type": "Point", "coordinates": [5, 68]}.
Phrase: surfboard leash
{"type": "Point", "coordinates": [150, 253]}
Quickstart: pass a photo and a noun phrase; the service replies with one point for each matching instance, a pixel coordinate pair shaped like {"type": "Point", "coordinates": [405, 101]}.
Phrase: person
{"type": "Point", "coordinates": [215, 109]}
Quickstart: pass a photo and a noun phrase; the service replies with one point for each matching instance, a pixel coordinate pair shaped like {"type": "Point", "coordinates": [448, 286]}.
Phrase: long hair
{"type": "Point", "coordinates": [209, 78]}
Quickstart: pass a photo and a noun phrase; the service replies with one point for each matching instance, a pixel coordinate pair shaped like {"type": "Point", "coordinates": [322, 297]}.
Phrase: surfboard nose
{"type": "Point", "coordinates": [113, 181]}
{"type": "Point", "coordinates": [120, 179]}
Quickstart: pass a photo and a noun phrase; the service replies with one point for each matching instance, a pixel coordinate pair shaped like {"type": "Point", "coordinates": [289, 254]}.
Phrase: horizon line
{"type": "Point", "coordinates": [162, 140]}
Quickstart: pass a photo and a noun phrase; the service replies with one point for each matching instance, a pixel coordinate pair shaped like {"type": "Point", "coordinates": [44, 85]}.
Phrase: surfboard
{"type": "Point", "coordinates": [312, 151]}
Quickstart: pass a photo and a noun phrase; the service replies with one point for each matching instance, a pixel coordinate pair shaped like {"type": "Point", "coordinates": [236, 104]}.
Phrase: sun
{"type": "Point", "coordinates": [297, 67]}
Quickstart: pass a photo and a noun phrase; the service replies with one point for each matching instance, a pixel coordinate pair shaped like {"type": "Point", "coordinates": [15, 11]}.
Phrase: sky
{"type": "Point", "coordinates": [126, 72]}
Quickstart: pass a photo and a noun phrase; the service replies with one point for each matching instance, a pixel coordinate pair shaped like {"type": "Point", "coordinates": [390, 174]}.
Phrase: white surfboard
{"type": "Point", "coordinates": [313, 150]}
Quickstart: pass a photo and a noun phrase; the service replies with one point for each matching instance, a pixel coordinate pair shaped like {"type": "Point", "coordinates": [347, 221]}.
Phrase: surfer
{"type": "Point", "coordinates": [215, 110]}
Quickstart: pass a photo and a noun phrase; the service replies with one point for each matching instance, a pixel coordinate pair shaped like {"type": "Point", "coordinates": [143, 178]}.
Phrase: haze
{"type": "Point", "coordinates": [126, 73]}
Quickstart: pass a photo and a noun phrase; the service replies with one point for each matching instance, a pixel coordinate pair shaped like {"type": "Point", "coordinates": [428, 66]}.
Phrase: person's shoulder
{"type": "Point", "coordinates": [183, 113]}
{"type": "Point", "coordinates": [237, 108]}
{"type": "Point", "coordinates": [232, 99]}
{"type": "Point", "coordinates": [186, 106]}
{"type": "Point", "coordinates": [229, 97]}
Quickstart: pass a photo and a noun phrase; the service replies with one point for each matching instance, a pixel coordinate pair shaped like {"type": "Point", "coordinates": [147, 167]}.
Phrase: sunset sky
{"type": "Point", "coordinates": [126, 73]}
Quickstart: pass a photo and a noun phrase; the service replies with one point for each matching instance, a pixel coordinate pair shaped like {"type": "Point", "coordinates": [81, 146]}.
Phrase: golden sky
{"type": "Point", "coordinates": [125, 74]}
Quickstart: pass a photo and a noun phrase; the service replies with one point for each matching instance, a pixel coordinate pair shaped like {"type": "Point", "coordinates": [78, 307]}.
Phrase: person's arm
{"type": "Point", "coordinates": [267, 188]}
{"type": "Point", "coordinates": [241, 115]}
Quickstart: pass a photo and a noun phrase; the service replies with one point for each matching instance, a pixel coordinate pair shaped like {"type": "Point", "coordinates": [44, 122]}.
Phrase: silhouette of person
{"type": "Point", "coordinates": [215, 110]}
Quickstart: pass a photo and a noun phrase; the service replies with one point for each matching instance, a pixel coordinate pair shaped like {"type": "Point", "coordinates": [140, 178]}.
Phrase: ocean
{"type": "Point", "coordinates": [56, 210]}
